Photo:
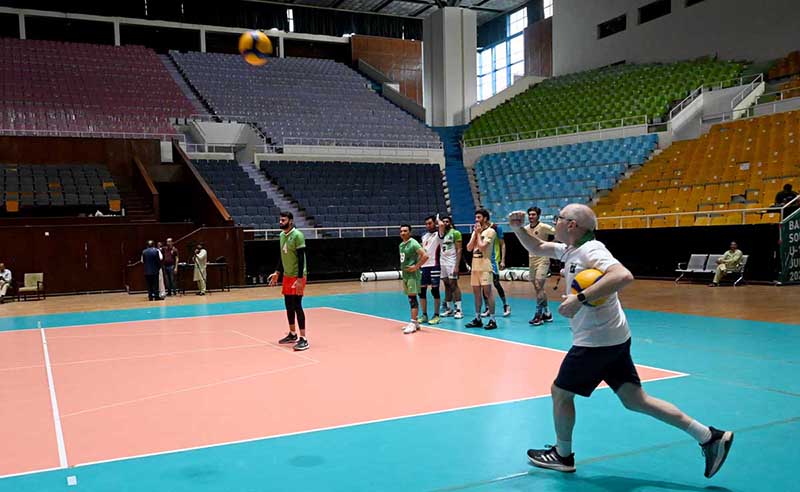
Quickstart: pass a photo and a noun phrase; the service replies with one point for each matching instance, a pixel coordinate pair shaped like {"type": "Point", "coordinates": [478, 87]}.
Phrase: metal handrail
{"type": "Point", "coordinates": [747, 90]}
{"type": "Point", "coordinates": [746, 113]}
{"type": "Point", "coordinates": [90, 134]}
{"type": "Point", "coordinates": [349, 142]}
{"type": "Point", "coordinates": [700, 213]}
{"type": "Point", "coordinates": [316, 232]}
{"type": "Point", "coordinates": [641, 119]}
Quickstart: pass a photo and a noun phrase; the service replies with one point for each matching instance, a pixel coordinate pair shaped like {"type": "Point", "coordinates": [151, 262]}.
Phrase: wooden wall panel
{"type": "Point", "coordinates": [399, 59]}
{"type": "Point", "coordinates": [539, 48]}
{"type": "Point", "coordinates": [90, 258]}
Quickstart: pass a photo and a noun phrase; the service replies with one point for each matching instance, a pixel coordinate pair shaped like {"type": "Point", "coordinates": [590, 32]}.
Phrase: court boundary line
{"type": "Point", "coordinates": [62, 450]}
{"type": "Point", "coordinates": [676, 373]}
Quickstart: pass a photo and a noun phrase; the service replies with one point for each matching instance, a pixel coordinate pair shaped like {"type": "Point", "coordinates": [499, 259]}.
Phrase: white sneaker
{"type": "Point", "coordinates": [458, 315]}
{"type": "Point", "coordinates": [446, 313]}
{"type": "Point", "coordinates": [485, 314]}
{"type": "Point", "coordinates": [410, 328]}
{"type": "Point", "coordinates": [507, 311]}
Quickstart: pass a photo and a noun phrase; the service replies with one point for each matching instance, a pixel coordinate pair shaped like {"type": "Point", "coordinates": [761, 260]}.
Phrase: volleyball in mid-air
{"type": "Point", "coordinates": [583, 280]}
{"type": "Point", "coordinates": [255, 47]}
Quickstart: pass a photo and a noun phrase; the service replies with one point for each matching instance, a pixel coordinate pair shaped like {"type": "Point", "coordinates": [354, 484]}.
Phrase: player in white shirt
{"type": "Point", "coordinates": [431, 242]}
{"type": "Point", "coordinates": [601, 342]}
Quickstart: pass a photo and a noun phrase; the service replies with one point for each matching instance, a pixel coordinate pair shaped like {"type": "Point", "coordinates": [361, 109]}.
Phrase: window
{"type": "Point", "coordinates": [290, 18]}
{"type": "Point", "coordinates": [548, 8]}
{"type": "Point", "coordinates": [654, 10]}
{"type": "Point", "coordinates": [486, 87]}
{"type": "Point", "coordinates": [500, 59]}
{"type": "Point", "coordinates": [518, 21]}
{"type": "Point", "coordinates": [517, 49]}
{"type": "Point", "coordinates": [486, 62]}
{"type": "Point", "coordinates": [517, 71]}
{"type": "Point", "coordinates": [501, 80]}
{"type": "Point", "coordinates": [613, 26]}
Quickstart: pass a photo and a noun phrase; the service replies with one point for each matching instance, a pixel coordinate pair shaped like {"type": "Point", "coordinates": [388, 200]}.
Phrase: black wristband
{"type": "Point", "coordinates": [581, 297]}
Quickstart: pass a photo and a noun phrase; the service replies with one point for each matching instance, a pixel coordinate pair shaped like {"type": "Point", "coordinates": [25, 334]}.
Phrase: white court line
{"type": "Point", "coordinates": [276, 347]}
{"type": "Point", "coordinates": [161, 354]}
{"type": "Point", "coordinates": [191, 388]}
{"type": "Point", "coordinates": [128, 335]}
{"type": "Point", "coordinates": [148, 320]}
{"type": "Point", "coordinates": [343, 426]}
{"type": "Point", "coordinates": [62, 450]}
{"type": "Point", "coordinates": [445, 330]}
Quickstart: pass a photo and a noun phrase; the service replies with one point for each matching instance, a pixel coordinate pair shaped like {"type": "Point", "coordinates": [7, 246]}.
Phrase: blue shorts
{"type": "Point", "coordinates": [430, 276]}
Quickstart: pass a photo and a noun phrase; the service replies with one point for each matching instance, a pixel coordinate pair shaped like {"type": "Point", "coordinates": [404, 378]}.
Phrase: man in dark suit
{"type": "Point", "coordinates": [151, 259]}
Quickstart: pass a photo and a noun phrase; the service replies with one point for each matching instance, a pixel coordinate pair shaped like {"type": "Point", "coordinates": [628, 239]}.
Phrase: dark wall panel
{"type": "Point", "coordinates": [539, 48]}
{"type": "Point", "coordinates": [160, 39]}
{"type": "Point", "coordinates": [9, 25]}
{"type": "Point", "coordinates": [399, 59]}
{"type": "Point", "coordinates": [82, 31]}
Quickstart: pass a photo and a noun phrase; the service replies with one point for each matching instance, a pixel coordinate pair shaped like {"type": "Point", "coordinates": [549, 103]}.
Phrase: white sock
{"type": "Point", "coordinates": [699, 432]}
{"type": "Point", "coordinates": [458, 305]}
{"type": "Point", "coordinates": [563, 448]}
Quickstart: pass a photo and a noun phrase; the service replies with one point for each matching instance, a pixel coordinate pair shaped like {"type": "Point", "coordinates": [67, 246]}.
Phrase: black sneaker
{"type": "Point", "coordinates": [547, 317]}
{"type": "Point", "coordinates": [491, 325]}
{"type": "Point", "coordinates": [475, 323]}
{"type": "Point", "coordinates": [549, 458]}
{"type": "Point", "coordinates": [301, 345]}
{"type": "Point", "coordinates": [290, 338]}
{"type": "Point", "coordinates": [716, 450]}
{"type": "Point", "coordinates": [537, 320]}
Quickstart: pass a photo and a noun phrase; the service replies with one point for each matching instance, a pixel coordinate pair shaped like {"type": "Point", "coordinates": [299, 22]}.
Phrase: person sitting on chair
{"type": "Point", "coordinates": [731, 260]}
{"type": "Point", "coordinates": [5, 281]}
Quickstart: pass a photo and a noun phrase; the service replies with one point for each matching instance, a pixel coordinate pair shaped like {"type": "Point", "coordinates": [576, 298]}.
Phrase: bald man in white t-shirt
{"type": "Point", "coordinates": [601, 342]}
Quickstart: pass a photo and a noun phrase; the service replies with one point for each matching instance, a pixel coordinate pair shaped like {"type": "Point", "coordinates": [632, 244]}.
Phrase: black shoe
{"type": "Point", "coordinates": [716, 450]}
{"type": "Point", "coordinates": [301, 345]}
{"type": "Point", "coordinates": [290, 338]}
{"type": "Point", "coordinates": [491, 325]}
{"type": "Point", "coordinates": [547, 317]}
{"type": "Point", "coordinates": [537, 320]}
{"type": "Point", "coordinates": [549, 458]}
{"type": "Point", "coordinates": [475, 323]}
{"type": "Point", "coordinates": [712, 284]}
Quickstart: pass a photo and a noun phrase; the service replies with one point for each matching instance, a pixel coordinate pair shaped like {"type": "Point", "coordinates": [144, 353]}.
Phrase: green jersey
{"type": "Point", "coordinates": [290, 243]}
{"type": "Point", "coordinates": [409, 255]}
{"type": "Point", "coordinates": [449, 253]}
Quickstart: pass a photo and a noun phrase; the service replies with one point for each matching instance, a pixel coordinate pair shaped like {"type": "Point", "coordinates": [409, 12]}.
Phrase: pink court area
{"type": "Point", "coordinates": [137, 388]}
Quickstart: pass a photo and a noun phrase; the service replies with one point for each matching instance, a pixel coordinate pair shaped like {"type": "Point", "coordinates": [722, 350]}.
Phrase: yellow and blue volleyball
{"type": "Point", "coordinates": [255, 47]}
{"type": "Point", "coordinates": [583, 280]}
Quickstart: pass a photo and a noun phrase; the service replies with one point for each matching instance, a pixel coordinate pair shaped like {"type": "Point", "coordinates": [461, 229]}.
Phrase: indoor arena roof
{"type": "Point", "coordinates": [485, 9]}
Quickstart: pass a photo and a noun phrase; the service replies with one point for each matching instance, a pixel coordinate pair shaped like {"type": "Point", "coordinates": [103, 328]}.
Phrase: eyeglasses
{"type": "Point", "coordinates": [561, 217]}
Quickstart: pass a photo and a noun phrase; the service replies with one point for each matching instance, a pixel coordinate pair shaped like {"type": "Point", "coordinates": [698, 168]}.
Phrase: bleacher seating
{"type": "Point", "coordinates": [337, 194]}
{"type": "Point", "coordinates": [248, 205]}
{"type": "Point", "coordinates": [737, 165]}
{"type": "Point", "coordinates": [57, 189]}
{"type": "Point", "coordinates": [613, 93]}
{"type": "Point", "coordinates": [785, 67]}
{"type": "Point", "coordinates": [552, 177]}
{"type": "Point", "coordinates": [303, 98]}
{"type": "Point", "coordinates": [49, 86]}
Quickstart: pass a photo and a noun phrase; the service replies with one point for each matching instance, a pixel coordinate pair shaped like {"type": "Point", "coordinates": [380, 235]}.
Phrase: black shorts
{"type": "Point", "coordinates": [584, 368]}
{"type": "Point", "coordinates": [430, 276]}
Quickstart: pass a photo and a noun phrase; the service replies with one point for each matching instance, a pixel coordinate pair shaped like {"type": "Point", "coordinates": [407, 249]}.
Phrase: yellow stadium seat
{"type": "Point", "coordinates": [702, 221]}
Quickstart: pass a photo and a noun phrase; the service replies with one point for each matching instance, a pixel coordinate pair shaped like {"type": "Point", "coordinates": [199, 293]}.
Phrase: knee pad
{"type": "Point", "coordinates": [423, 291]}
{"type": "Point", "coordinates": [412, 301]}
{"type": "Point", "coordinates": [435, 292]}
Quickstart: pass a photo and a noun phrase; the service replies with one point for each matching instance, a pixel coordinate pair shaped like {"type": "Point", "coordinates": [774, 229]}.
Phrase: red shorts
{"type": "Point", "coordinates": [288, 285]}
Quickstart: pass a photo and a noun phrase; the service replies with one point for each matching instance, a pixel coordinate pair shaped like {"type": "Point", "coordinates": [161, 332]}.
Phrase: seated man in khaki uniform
{"type": "Point", "coordinates": [729, 261]}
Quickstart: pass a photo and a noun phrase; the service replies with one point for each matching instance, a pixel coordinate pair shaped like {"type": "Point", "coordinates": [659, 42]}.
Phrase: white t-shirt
{"type": "Point", "coordinates": [600, 326]}
{"type": "Point", "coordinates": [430, 243]}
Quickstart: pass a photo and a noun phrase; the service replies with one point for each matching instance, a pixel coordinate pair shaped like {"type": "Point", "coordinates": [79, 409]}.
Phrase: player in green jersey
{"type": "Point", "coordinates": [412, 256]}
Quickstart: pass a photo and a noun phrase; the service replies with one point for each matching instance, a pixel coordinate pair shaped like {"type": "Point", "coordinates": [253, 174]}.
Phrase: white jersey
{"type": "Point", "coordinates": [600, 326]}
{"type": "Point", "coordinates": [431, 243]}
